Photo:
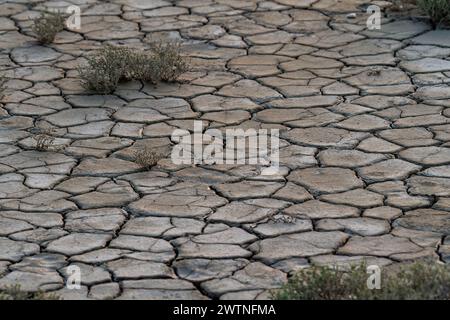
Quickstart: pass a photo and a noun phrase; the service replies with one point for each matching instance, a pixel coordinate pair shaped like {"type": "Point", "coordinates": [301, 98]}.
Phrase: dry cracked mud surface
{"type": "Point", "coordinates": [364, 119]}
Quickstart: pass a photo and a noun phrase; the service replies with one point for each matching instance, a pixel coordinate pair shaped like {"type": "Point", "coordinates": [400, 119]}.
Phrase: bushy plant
{"type": "Point", "coordinates": [110, 64]}
{"type": "Point", "coordinates": [105, 68]}
{"type": "Point", "coordinates": [418, 281]}
{"type": "Point", "coordinates": [324, 283]}
{"type": "Point", "coordinates": [47, 25]}
{"type": "Point", "coordinates": [44, 140]}
{"type": "Point", "coordinates": [141, 66]}
{"type": "Point", "coordinates": [168, 60]}
{"type": "Point", "coordinates": [147, 158]}
{"type": "Point", "coordinates": [2, 86]}
{"type": "Point", "coordinates": [402, 5]}
{"type": "Point", "coordinates": [437, 10]}
{"type": "Point", "coordinates": [15, 293]}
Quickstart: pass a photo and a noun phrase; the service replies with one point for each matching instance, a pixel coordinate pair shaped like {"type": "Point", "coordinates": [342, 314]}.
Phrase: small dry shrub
{"type": "Point", "coordinates": [437, 10]}
{"type": "Point", "coordinates": [141, 66]}
{"type": "Point", "coordinates": [373, 73]}
{"type": "Point", "coordinates": [110, 64]}
{"type": "Point", "coordinates": [47, 25]}
{"type": "Point", "coordinates": [15, 293]}
{"type": "Point", "coordinates": [105, 68]}
{"type": "Point", "coordinates": [168, 60]}
{"type": "Point", "coordinates": [147, 158]}
{"type": "Point", "coordinates": [2, 86]}
{"type": "Point", "coordinates": [402, 5]}
{"type": "Point", "coordinates": [419, 281]}
{"type": "Point", "coordinates": [44, 140]}
{"type": "Point", "coordinates": [283, 218]}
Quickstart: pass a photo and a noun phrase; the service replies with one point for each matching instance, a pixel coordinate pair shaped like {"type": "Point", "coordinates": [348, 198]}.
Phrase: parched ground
{"type": "Point", "coordinates": [364, 118]}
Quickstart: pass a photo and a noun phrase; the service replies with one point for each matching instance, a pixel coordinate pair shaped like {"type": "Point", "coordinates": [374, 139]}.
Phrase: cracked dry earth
{"type": "Point", "coordinates": [364, 118]}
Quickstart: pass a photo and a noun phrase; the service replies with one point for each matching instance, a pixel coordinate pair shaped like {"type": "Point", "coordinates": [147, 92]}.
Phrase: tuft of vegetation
{"type": "Point", "coordinates": [374, 73]}
{"type": "Point", "coordinates": [141, 66]}
{"type": "Point", "coordinates": [15, 293]}
{"type": "Point", "coordinates": [437, 10]}
{"type": "Point", "coordinates": [283, 218]}
{"type": "Point", "coordinates": [2, 86]}
{"type": "Point", "coordinates": [147, 158]}
{"type": "Point", "coordinates": [47, 25]}
{"type": "Point", "coordinates": [418, 281]}
{"type": "Point", "coordinates": [105, 68]}
{"type": "Point", "coordinates": [111, 64]}
{"type": "Point", "coordinates": [168, 61]}
{"type": "Point", "coordinates": [402, 5]}
{"type": "Point", "coordinates": [44, 140]}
